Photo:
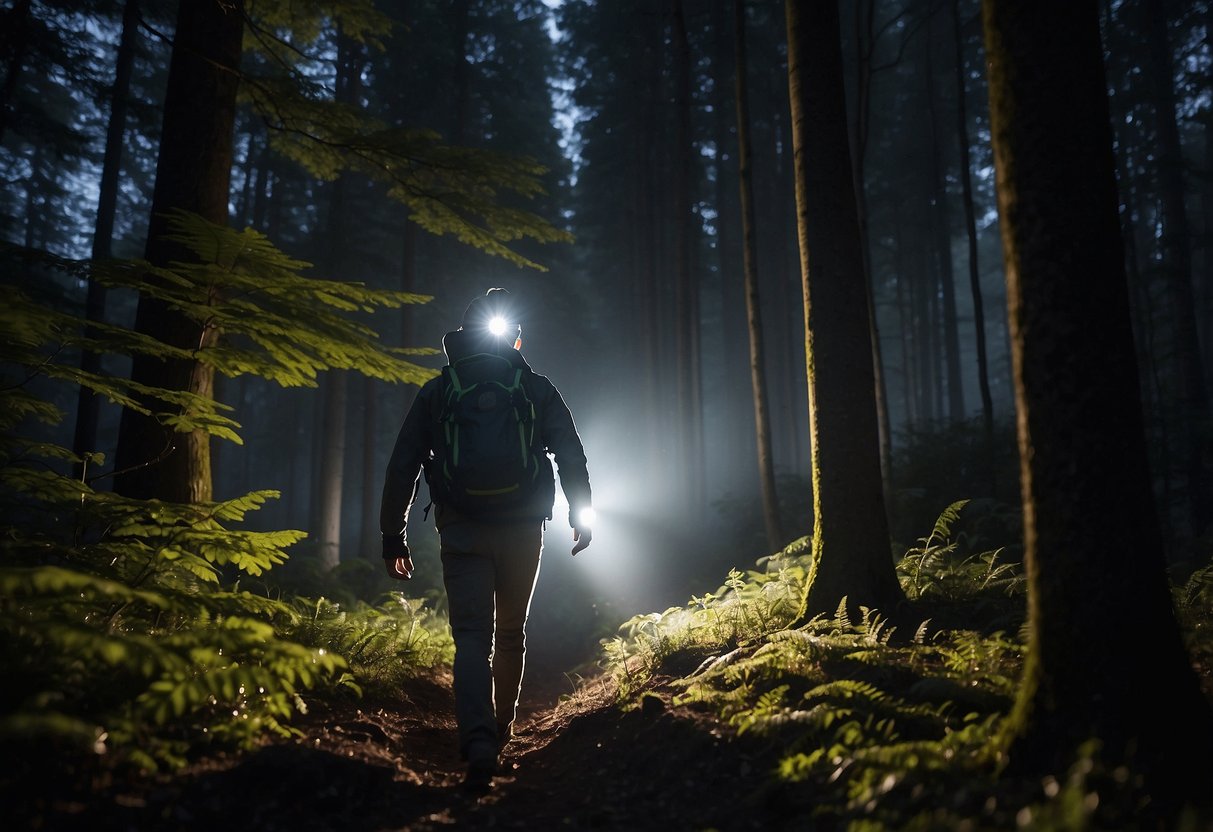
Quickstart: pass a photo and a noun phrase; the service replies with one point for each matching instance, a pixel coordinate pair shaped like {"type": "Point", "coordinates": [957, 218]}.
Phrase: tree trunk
{"type": "Point", "coordinates": [851, 552]}
{"type": "Point", "coordinates": [336, 388]}
{"type": "Point", "coordinates": [966, 184]}
{"type": "Point", "coordinates": [865, 45]}
{"type": "Point", "coordinates": [371, 479]}
{"type": "Point", "coordinates": [192, 173]}
{"type": "Point", "coordinates": [332, 467]}
{"type": "Point", "coordinates": [16, 42]}
{"type": "Point", "coordinates": [749, 254]}
{"type": "Point", "coordinates": [87, 403]}
{"type": "Point", "coordinates": [735, 418]}
{"type": "Point", "coordinates": [1086, 511]}
{"type": "Point", "coordinates": [942, 222]}
{"type": "Point", "coordinates": [686, 289]}
{"type": "Point", "coordinates": [459, 72]}
{"type": "Point", "coordinates": [1177, 267]}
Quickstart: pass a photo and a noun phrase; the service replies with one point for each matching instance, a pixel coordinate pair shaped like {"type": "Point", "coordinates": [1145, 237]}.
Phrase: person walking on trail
{"type": "Point", "coordinates": [482, 431]}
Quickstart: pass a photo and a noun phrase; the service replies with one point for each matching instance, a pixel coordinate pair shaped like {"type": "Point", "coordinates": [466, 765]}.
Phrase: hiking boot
{"type": "Point", "coordinates": [482, 765]}
{"type": "Point", "coordinates": [505, 732]}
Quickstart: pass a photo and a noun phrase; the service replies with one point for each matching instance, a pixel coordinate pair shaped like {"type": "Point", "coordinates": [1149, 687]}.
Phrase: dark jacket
{"type": "Point", "coordinates": [420, 434]}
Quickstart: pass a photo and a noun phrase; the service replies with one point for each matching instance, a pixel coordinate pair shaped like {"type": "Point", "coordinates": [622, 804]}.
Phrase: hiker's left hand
{"type": "Point", "coordinates": [399, 568]}
{"type": "Point", "coordinates": [581, 539]}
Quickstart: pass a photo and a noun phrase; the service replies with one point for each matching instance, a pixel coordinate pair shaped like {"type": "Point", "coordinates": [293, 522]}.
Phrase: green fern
{"type": "Point", "coordinates": [123, 629]}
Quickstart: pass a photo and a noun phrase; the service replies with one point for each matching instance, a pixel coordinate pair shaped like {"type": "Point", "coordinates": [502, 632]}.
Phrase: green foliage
{"type": "Point", "coordinates": [383, 643]}
{"type": "Point", "coordinates": [278, 324]}
{"type": "Point", "coordinates": [938, 566]}
{"type": "Point", "coordinates": [745, 607]}
{"type": "Point", "coordinates": [468, 192]}
{"type": "Point", "coordinates": [118, 619]}
{"type": "Point", "coordinates": [867, 725]}
{"type": "Point", "coordinates": [123, 626]}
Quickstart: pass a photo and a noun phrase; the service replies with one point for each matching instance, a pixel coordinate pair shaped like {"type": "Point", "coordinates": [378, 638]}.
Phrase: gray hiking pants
{"type": "Point", "coordinates": [489, 570]}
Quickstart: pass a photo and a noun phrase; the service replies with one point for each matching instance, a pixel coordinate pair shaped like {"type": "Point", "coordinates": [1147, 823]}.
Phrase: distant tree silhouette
{"type": "Point", "coordinates": [762, 417]}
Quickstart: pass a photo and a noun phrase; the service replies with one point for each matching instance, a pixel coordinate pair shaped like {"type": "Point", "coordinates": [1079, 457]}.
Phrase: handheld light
{"type": "Point", "coordinates": [586, 518]}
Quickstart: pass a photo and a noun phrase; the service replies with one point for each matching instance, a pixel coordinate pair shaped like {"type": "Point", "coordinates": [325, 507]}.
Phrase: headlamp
{"type": "Point", "coordinates": [498, 325]}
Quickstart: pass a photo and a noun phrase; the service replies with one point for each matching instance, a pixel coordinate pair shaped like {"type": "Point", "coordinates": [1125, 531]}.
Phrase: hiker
{"type": "Point", "coordinates": [482, 432]}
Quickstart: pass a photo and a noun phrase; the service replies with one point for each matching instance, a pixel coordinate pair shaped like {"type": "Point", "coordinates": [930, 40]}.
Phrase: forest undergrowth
{"type": "Point", "coordinates": [889, 720]}
{"type": "Point", "coordinates": [710, 715]}
{"type": "Point", "coordinates": [154, 675]}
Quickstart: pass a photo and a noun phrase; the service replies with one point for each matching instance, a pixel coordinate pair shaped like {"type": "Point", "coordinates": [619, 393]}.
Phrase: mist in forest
{"type": "Point", "coordinates": [639, 318]}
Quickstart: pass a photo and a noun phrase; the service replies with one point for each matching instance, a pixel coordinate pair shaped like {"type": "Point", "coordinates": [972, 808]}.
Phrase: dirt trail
{"type": "Point", "coordinates": [576, 762]}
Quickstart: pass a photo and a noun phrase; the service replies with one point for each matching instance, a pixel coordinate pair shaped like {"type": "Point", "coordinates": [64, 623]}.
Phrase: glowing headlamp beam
{"type": "Point", "coordinates": [498, 325]}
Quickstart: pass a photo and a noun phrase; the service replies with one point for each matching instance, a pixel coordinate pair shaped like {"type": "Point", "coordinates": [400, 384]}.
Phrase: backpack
{"type": "Point", "coordinates": [486, 457]}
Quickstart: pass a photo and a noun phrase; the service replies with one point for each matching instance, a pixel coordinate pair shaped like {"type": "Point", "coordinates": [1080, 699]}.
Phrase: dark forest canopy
{"type": "Point", "coordinates": [233, 247]}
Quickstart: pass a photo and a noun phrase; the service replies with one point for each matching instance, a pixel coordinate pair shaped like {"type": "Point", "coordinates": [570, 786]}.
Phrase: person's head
{"type": "Point", "coordinates": [493, 315]}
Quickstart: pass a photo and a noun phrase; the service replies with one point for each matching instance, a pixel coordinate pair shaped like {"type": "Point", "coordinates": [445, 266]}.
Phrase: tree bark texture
{"type": "Point", "coordinates": [749, 256]}
{"type": "Point", "coordinates": [851, 550]}
{"type": "Point", "coordinates": [1103, 640]}
{"type": "Point", "coordinates": [192, 173]}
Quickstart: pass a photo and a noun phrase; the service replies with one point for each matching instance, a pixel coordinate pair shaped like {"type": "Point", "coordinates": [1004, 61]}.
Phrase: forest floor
{"type": "Point", "coordinates": [576, 761]}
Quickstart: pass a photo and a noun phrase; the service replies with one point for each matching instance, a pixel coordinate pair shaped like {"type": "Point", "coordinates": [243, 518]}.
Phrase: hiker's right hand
{"type": "Point", "coordinates": [581, 539]}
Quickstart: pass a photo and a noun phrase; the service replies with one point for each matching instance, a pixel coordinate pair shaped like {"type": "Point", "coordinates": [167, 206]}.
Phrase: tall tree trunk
{"type": "Point", "coordinates": [371, 477]}
{"type": "Point", "coordinates": [87, 404]}
{"type": "Point", "coordinates": [459, 72]}
{"type": "Point", "coordinates": [331, 485]}
{"type": "Point", "coordinates": [686, 289]}
{"type": "Point", "coordinates": [905, 326]}
{"type": "Point", "coordinates": [334, 428]}
{"type": "Point", "coordinates": [966, 185]}
{"type": "Point", "coordinates": [941, 220]}
{"type": "Point", "coordinates": [733, 457]}
{"type": "Point", "coordinates": [1177, 267]}
{"type": "Point", "coordinates": [1086, 511]}
{"type": "Point", "coordinates": [865, 45]}
{"type": "Point", "coordinates": [851, 553]}
{"type": "Point", "coordinates": [749, 255]}
{"type": "Point", "coordinates": [1141, 306]}
{"type": "Point", "coordinates": [192, 173]}
{"type": "Point", "coordinates": [15, 42]}
{"type": "Point", "coordinates": [923, 286]}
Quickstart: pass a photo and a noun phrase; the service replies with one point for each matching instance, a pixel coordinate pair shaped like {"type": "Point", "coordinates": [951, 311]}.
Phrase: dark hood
{"type": "Point", "coordinates": [461, 343]}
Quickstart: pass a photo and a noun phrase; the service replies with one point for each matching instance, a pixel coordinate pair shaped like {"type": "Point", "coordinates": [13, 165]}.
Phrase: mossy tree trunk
{"type": "Point", "coordinates": [1105, 657]}
{"type": "Point", "coordinates": [851, 554]}
{"type": "Point", "coordinates": [192, 173]}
